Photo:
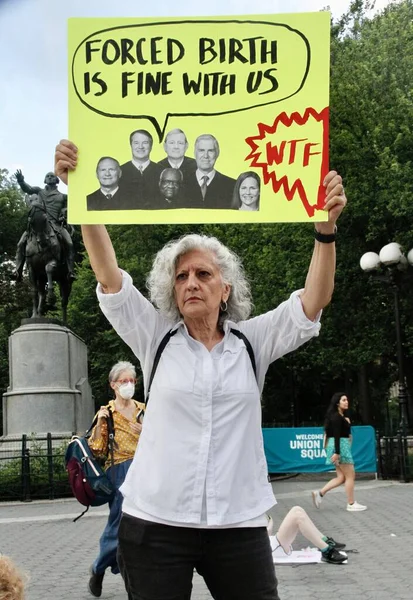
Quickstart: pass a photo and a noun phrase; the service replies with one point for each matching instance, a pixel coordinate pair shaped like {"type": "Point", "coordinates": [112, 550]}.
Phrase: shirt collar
{"type": "Point", "coordinates": [200, 175]}
{"type": "Point", "coordinates": [227, 325]}
{"type": "Point", "coordinates": [176, 166]}
{"type": "Point", "coordinates": [140, 165]}
{"type": "Point", "coordinates": [112, 193]}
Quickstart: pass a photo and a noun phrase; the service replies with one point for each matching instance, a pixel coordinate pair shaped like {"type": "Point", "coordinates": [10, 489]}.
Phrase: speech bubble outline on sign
{"type": "Point", "coordinates": [201, 71]}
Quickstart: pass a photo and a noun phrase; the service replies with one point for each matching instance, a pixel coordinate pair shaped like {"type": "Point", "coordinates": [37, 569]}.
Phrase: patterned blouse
{"type": "Point", "coordinates": [125, 438]}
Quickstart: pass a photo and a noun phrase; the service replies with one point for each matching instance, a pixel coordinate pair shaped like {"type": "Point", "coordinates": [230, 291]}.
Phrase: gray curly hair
{"type": "Point", "coordinates": [161, 279]}
{"type": "Point", "coordinates": [119, 367]}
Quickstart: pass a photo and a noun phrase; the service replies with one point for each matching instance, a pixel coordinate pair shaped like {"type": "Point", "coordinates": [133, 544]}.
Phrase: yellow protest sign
{"type": "Point", "coordinates": [199, 120]}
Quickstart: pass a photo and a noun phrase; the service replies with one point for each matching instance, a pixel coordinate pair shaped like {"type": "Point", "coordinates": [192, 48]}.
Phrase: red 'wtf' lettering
{"type": "Point", "coordinates": [276, 153]}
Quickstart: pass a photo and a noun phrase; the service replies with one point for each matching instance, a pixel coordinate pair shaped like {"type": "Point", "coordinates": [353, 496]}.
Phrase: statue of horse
{"type": "Point", "coordinates": [45, 262]}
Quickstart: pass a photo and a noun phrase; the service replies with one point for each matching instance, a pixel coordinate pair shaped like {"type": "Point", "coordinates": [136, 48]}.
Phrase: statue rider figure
{"type": "Point", "coordinates": [55, 204]}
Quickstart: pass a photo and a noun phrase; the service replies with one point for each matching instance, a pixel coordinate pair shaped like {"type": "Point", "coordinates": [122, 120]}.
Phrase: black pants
{"type": "Point", "coordinates": [157, 561]}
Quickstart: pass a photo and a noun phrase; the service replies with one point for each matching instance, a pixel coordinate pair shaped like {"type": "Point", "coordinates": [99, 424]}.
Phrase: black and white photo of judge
{"type": "Point", "coordinates": [175, 146]}
{"type": "Point", "coordinates": [108, 196]}
{"type": "Point", "coordinates": [247, 191]}
{"type": "Point", "coordinates": [207, 187]}
{"type": "Point", "coordinates": [140, 175]}
{"type": "Point", "coordinates": [170, 189]}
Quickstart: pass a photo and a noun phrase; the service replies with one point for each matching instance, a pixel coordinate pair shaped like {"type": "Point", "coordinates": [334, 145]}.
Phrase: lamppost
{"type": "Point", "coordinates": [388, 266]}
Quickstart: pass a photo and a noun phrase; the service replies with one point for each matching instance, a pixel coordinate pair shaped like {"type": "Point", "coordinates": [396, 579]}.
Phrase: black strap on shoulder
{"type": "Point", "coordinates": [248, 346]}
{"type": "Point", "coordinates": [168, 336]}
{"type": "Point", "coordinates": [111, 439]}
{"type": "Point", "coordinates": [159, 351]}
{"type": "Point", "coordinates": [89, 431]}
{"type": "Point", "coordinates": [111, 424]}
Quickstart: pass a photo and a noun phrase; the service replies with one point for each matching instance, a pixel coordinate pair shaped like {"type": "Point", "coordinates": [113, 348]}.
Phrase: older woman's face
{"type": "Point", "coordinates": [199, 289]}
{"type": "Point", "coordinates": [249, 192]}
{"type": "Point", "coordinates": [123, 377]}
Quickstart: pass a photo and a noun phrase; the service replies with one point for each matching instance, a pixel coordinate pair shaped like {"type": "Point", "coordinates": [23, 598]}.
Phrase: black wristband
{"type": "Point", "coordinates": [325, 238]}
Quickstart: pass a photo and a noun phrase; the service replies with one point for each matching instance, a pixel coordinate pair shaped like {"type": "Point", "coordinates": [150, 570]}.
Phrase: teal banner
{"type": "Point", "coordinates": [300, 449]}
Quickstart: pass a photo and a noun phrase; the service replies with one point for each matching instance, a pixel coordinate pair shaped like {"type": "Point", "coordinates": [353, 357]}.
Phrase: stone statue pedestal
{"type": "Point", "coordinates": [49, 391]}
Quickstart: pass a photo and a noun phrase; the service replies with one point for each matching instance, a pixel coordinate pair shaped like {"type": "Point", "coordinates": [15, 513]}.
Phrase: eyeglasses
{"type": "Point", "coordinates": [127, 380]}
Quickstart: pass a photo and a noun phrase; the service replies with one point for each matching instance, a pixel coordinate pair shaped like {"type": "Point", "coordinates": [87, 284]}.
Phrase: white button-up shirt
{"type": "Point", "coordinates": [200, 458]}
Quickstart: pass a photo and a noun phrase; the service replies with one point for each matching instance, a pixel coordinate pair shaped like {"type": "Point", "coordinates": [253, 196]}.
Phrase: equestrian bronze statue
{"type": "Point", "coordinates": [46, 246]}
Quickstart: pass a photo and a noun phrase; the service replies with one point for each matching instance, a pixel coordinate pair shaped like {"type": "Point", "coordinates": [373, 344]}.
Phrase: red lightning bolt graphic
{"type": "Point", "coordinates": [297, 185]}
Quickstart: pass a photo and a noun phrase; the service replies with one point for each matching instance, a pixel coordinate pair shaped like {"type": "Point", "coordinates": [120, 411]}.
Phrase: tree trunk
{"type": "Point", "coordinates": [364, 396]}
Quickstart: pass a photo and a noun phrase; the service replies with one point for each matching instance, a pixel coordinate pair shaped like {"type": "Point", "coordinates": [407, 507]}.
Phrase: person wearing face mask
{"type": "Point", "coordinates": [122, 380]}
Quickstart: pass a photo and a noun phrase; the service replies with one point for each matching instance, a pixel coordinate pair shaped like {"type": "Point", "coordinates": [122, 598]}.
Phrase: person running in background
{"type": "Point", "coordinates": [337, 429]}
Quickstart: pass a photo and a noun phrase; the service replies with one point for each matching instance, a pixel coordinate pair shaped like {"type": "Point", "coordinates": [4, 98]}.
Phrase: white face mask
{"type": "Point", "coordinates": [126, 390]}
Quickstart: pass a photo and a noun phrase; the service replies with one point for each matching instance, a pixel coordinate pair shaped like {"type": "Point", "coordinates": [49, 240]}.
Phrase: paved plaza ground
{"type": "Point", "coordinates": [56, 552]}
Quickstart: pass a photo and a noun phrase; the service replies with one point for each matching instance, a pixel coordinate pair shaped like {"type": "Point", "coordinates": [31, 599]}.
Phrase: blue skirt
{"type": "Point", "coordinates": [346, 457]}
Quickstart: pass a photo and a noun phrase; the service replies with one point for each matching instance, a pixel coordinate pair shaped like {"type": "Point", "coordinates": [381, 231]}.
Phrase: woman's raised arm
{"type": "Point", "coordinates": [95, 237]}
{"type": "Point", "coordinates": [319, 284]}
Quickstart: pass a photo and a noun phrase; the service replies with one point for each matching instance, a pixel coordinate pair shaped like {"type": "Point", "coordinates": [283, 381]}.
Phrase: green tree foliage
{"type": "Point", "coordinates": [13, 306]}
{"type": "Point", "coordinates": [372, 146]}
{"type": "Point", "coordinates": [12, 215]}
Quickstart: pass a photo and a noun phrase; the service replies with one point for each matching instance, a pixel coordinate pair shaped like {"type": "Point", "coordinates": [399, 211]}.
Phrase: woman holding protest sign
{"type": "Point", "coordinates": [197, 492]}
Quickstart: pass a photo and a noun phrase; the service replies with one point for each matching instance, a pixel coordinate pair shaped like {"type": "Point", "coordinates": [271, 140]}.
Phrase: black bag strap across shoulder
{"type": "Point", "coordinates": [159, 351]}
{"type": "Point", "coordinates": [248, 346]}
{"type": "Point", "coordinates": [171, 333]}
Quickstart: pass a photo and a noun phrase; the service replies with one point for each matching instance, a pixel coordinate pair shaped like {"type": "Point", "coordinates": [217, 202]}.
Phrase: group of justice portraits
{"type": "Point", "coordinates": [177, 181]}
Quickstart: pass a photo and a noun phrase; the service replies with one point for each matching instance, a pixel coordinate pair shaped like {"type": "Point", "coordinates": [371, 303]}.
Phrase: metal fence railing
{"type": "Point", "coordinates": [395, 457]}
{"type": "Point", "coordinates": [33, 467]}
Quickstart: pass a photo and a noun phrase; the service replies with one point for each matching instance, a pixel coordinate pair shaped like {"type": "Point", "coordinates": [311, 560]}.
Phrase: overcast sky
{"type": "Point", "coordinates": [33, 84]}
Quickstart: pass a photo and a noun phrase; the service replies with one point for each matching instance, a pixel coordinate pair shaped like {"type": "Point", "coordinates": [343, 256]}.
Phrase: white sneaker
{"type": "Point", "coordinates": [317, 498]}
{"type": "Point", "coordinates": [277, 550]}
{"type": "Point", "coordinates": [356, 507]}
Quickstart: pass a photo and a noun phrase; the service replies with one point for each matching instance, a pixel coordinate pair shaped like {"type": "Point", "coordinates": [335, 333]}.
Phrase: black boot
{"type": "Point", "coordinates": [336, 545]}
{"type": "Point", "coordinates": [333, 556]}
{"type": "Point", "coordinates": [95, 583]}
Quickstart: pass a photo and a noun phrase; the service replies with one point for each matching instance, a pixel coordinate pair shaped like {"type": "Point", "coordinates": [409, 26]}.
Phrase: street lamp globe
{"type": "Point", "coordinates": [391, 254]}
{"type": "Point", "coordinates": [370, 261]}
{"type": "Point", "coordinates": [410, 257]}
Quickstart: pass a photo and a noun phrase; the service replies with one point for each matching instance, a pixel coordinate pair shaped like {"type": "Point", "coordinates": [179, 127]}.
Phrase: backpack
{"type": "Point", "coordinates": [89, 483]}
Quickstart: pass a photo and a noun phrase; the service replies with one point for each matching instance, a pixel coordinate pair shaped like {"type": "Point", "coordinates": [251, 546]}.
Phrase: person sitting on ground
{"type": "Point", "coordinates": [297, 520]}
{"type": "Point", "coordinates": [12, 581]}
